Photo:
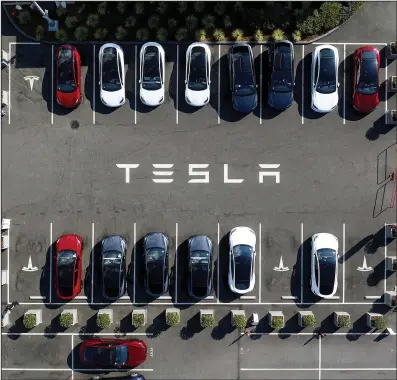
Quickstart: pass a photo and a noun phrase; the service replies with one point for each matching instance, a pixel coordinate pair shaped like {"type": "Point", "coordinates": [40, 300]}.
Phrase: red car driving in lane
{"type": "Point", "coordinates": [366, 79]}
{"type": "Point", "coordinates": [68, 76]}
{"type": "Point", "coordinates": [114, 353]}
{"type": "Point", "coordinates": [68, 266]}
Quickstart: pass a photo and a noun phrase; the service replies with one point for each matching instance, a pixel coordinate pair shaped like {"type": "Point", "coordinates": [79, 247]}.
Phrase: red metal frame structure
{"type": "Point", "coordinates": [393, 196]}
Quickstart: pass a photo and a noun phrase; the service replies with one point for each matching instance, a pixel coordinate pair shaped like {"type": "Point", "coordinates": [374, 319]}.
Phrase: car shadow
{"type": "Point", "coordinates": [295, 284]}
{"type": "Point", "coordinates": [383, 55]}
{"type": "Point", "coordinates": [379, 128]}
{"type": "Point", "coordinates": [90, 87]}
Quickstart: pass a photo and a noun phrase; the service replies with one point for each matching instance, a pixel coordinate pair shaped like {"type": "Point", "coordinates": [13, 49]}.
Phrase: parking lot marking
{"type": "Point", "coordinates": [52, 84]}
{"type": "Point", "coordinates": [69, 334]}
{"type": "Point", "coordinates": [36, 369]}
{"type": "Point", "coordinates": [134, 244]}
{"type": "Point", "coordinates": [303, 84]}
{"type": "Point", "coordinates": [81, 297]}
{"type": "Point", "coordinates": [312, 333]}
{"type": "Point", "coordinates": [217, 268]}
{"type": "Point", "coordinates": [371, 297]}
{"type": "Point", "coordinates": [50, 285]}
{"type": "Point", "coordinates": [260, 96]}
{"type": "Point", "coordinates": [37, 297]}
{"type": "Point", "coordinates": [351, 43]}
{"type": "Point", "coordinates": [260, 250]}
{"type": "Point", "coordinates": [344, 83]}
{"type": "Point", "coordinates": [9, 103]}
{"type": "Point", "coordinates": [164, 297]}
{"type": "Point", "coordinates": [386, 79]}
{"type": "Point", "coordinates": [92, 262]}
{"type": "Point", "coordinates": [124, 298]}
{"type": "Point", "coordinates": [93, 87]}
{"type": "Point", "coordinates": [289, 298]}
{"type": "Point", "coordinates": [177, 82]}
{"type": "Point", "coordinates": [176, 263]}
{"type": "Point", "coordinates": [301, 254]}
{"type": "Point", "coordinates": [72, 365]}
{"type": "Point", "coordinates": [316, 369]}
{"type": "Point", "coordinates": [135, 91]}
{"type": "Point", "coordinates": [8, 264]}
{"type": "Point", "coordinates": [219, 85]}
{"type": "Point", "coordinates": [385, 268]}
{"type": "Point", "coordinates": [319, 359]}
{"type": "Point", "coordinates": [343, 261]}
{"type": "Point", "coordinates": [209, 298]}
{"type": "Point", "coordinates": [248, 297]}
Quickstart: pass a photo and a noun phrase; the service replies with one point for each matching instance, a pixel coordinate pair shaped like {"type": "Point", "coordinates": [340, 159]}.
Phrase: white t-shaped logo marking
{"type": "Point", "coordinates": [31, 80]}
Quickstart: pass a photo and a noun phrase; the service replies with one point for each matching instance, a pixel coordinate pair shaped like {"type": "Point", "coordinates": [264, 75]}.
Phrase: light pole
{"type": "Point", "coordinates": [52, 24]}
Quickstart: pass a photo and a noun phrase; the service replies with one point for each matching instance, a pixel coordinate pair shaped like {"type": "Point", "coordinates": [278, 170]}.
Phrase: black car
{"type": "Point", "coordinates": [155, 246]}
{"type": "Point", "coordinates": [242, 78]}
{"type": "Point", "coordinates": [281, 78]}
{"type": "Point", "coordinates": [200, 267]}
{"type": "Point", "coordinates": [113, 255]}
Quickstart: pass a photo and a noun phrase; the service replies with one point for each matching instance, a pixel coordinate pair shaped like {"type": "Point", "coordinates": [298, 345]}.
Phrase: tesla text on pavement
{"type": "Point", "coordinates": [162, 173]}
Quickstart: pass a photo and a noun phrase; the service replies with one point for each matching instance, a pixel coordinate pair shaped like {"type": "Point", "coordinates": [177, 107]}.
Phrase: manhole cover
{"type": "Point", "coordinates": [74, 124]}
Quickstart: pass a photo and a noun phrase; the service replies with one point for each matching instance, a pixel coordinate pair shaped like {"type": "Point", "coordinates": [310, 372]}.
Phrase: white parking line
{"type": "Point", "coordinates": [9, 94]}
{"type": "Point", "coordinates": [81, 297]}
{"type": "Point", "coordinates": [351, 43]}
{"type": "Point", "coordinates": [248, 297]}
{"type": "Point", "coordinates": [50, 258]}
{"type": "Point", "coordinates": [316, 369]}
{"type": "Point", "coordinates": [176, 263]}
{"type": "Point", "coordinates": [93, 87]}
{"type": "Point", "coordinates": [303, 84]}
{"type": "Point", "coordinates": [260, 255]}
{"type": "Point", "coordinates": [35, 369]}
{"type": "Point", "coordinates": [343, 261]}
{"type": "Point", "coordinates": [289, 298]}
{"type": "Point", "coordinates": [135, 91]}
{"type": "Point", "coordinates": [319, 359]}
{"type": "Point", "coordinates": [134, 278]}
{"type": "Point", "coordinates": [314, 334]}
{"type": "Point", "coordinates": [386, 79]}
{"type": "Point", "coordinates": [372, 297]}
{"type": "Point", "coordinates": [260, 94]}
{"type": "Point", "coordinates": [177, 82]}
{"type": "Point", "coordinates": [92, 262]}
{"type": "Point", "coordinates": [217, 267]}
{"type": "Point", "coordinates": [69, 334]}
{"type": "Point", "coordinates": [344, 83]}
{"type": "Point", "coordinates": [385, 269]}
{"type": "Point", "coordinates": [52, 84]}
{"type": "Point", "coordinates": [38, 297]}
{"type": "Point", "coordinates": [301, 254]}
{"type": "Point", "coordinates": [164, 297]}
{"type": "Point", "coordinates": [8, 266]}
{"type": "Point", "coordinates": [72, 357]}
{"type": "Point", "coordinates": [219, 84]}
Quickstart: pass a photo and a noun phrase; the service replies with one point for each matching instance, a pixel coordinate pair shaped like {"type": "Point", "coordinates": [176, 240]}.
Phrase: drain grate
{"type": "Point", "coordinates": [74, 124]}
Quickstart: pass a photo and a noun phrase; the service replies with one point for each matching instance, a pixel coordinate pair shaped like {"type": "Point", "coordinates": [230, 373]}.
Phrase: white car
{"type": "Point", "coordinates": [197, 77]}
{"type": "Point", "coordinates": [324, 78]}
{"type": "Point", "coordinates": [242, 254]}
{"type": "Point", "coordinates": [151, 74]}
{"type": "Point", "coordinates": [111, 75]}
{"type": "Point", "coordinates": [324, 265]}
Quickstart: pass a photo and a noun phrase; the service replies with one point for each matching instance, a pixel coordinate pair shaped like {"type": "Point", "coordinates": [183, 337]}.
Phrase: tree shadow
{"type": "Point", "coordinates": [158, 326]}
{"type": "Point", "coordinates": [17, 329]}
{"type": "Point", "coordinates": [192, 327]}
{"type": "Point", "coordinates": [125, 325]}
{"type": "Point", "coordinates": [359, 326]}
{"type": "Point", "coordinates": [291, 326]}
{"type": "Point", "coordinates": [89, 329]}
{"type": "Point", "coordinates": [54, 328]}
{"type": "Point", "coordinates": [379, 128]}
{"type": "Point", "coordinates": [223, 328]}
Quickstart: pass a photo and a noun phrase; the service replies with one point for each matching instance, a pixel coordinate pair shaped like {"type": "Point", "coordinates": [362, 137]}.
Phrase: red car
{"type": "Point", "coordinates": [68, 266]}
{"type": "Point", "coordinates": [115, 353]}
{"type": "Point", "coordinates": [366, 79]}
{"type": "Point", "coordinates": [68, 76]}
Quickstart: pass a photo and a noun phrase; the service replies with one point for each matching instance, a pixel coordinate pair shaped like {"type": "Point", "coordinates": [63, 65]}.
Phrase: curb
{"type": "Point", "coordinates": [225, 43]}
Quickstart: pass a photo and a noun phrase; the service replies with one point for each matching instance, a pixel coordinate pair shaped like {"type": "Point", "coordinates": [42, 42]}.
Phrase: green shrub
{"type": "Point", "coordinates": [208, 21]}
{"type": "Point", "coordinates": [138, 320]}
{"type": "Point", "coordinates": [207, 321]}
{"type": "Point", "coordinates": [379, 323]}
{"type": "Point", "coordinates": [240, 321]}
{"type": "Point", "coordinates": [100, 34]}
{"type": "Point", "coordinates": [181, 34]}
{"type": "Point", "coordinates": [172, 319]}
{"type": "Point", "coordinates": [201, 35]}
{"type": "Point", "coordinates": [162, 34]}
{"type": "Point", "coordinates": [130, 22]}
{"type": "Point", "coordinates": [296, 36]}
{"type": "Point", "coordinates": [238, 6]}
{"type": "Point", "coordinates": [29, 321]}
{"type": "Point", "coordinates": [139, 7]}
{"type": "Point", "coordinates": [81, 33]}
{"type": "Point", "coordinates": [349, 8]}
{"type": "Point", "coordinates": [238, 34]}
{"type": "Point", "coordinates": [103, 321]}
{"type": "Point", "coordinates": [344, 321]}
{"type": "Point", "coordinates": [219, 35]}
{"type": "Point", "coordinates": [199, 6]}
{"type": "Point", "coordinates": [172, 23]}
{"type": "Point", "coordinates": [162, 7]}
{"type": "Point", "coordinates": [227, 22]}
{"type": "Point", "coordinates": [24, 17]}
{"type": "Point", "coordinates": [308, 321]}
{"type": "Point", "coordinates": [394, 115]}
{"type": "Point", "coordinates": [191, 22]}
{"type": "Point", "coordinates": [182, 7]}
{"type": "Point", "coordinates": [219, 8]}
{"type": "Point", "coordinates": [66, 320]}
{"type": "Point", "coordinates": [312, 25]}
{"type": "Point", "coordinates": [61, 11]}
{"type": "Point", "coordinates": [142, 34]}
{"type": "Point", "coordinates": [80, 9]}
{"type": "Point", "coordinates": [277, 322]}
{"type": "Point", "coordinates": [153, 22]}
{"type": "Point", "coordinates": [278, 35]}
{"type": "Point", "coordinates": [92, 20]}
{"type": "Point", "coordinates": [71, 22]}
{"type": "Point", "coordinates": [121, 7]}
{"type": "Point", "coordinates": [258, 36]}
{"type": "Point", "coordinates": [39, 32]}
{"type": "Point", "coordinates": [121, 33]}
{"type": "Point", "coordinates": [61, 35]}
{"type": "Point", "coordinates": [330, 14]}
{"type": "Point", "coordinates": [102, 8]}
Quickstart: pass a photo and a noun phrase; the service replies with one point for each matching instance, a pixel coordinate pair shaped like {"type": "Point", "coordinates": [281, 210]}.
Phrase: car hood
{"type": "Point", "coordinates": [242, 235]}
{"type": "Point", "coordinates": [325, 102]}
{"type": "Point", "coordinates": [152, 98]}
{"type": "Point", "coordinates": [325, 240]}
{"type": "Point", "coordinates": [68, 242]}
{"type": "Point", "coordinates": [280, 100]}
{"type": "Point", "coordinates": [245, 104]}
{"type": "Point", "coordinates": [366, 103]}
{"type": "Point", "coordinates": [68, 99]}
{"type": "Point", "coordinates": [113, 98]}
{"type": "Point", "coordinates": [137, 353]}
{"type": "Point", "coordinates": [113, 243]}
{"type": "Point", "coordinates": [155, 240]}
{"type": "Point", "coordinates": [197, 98]}
{"type": "Point", "coordinates": [199, 243]}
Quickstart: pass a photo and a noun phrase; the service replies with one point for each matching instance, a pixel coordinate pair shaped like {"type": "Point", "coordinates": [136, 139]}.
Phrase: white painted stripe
{"type": "Point", "coordinates": [35, 369]}
{"type": "Point", "coordinates": [303, 85]}
{"type": "Point", "coordinates": [24, 43]}
{"type": "Point", "coordinates": [289, 298]}
{"type": "Point", "coordinates": [8, 264]}
{"type": "Point", "coordinates": [124, 298]}
{"type": "Point", "coordinates": [135, 85]}
{"type": "Point", "coordinates": [333, 298]}
{"type": "Point", "coordinates": [9, 121]}
{"type": "Point", "coordinates": [319, 359]}
{"type": "Point", "coordinates": [177, 82]}
{"type": "Point", "coordinates": [81, 297]}
{"type": "Point", "coordinates": [260, 100]}
{"type": "Point", "coordinates": [92, 261]}
{"type": "Point", "coordinates": [260, 242]}
{"type": "Point", "coordinates": [37, 297]}
{"type": "Point", "coordinates": [248, 297]}
{"type": "Point", "coordinates": [113, 370]}
{"type": "Point", "coordinates": [386, 79]}
{"type": "Point", "coordinates": [390, 331]}
{"type": "Point", "coordinates": [50, 285]}
{"type": "Point", "coordinates": [209, 298]}
{"type": "Point", "coordinates": [350, 43]}
{"type": "Point", "coordinates": [218, 264]}
{"type": "Point", "coordinates": [134, 279]}
{"type": "Point", "coordinates": [372, 297]}
{"type": "Point", "coordinates": [343, 262]}
{"type": "Point", "coordinates": [70, 334]}
{"type": "Point", "coordinates": [344, 83]}
{"type": "Point", "coordinates": [52, 84]}
{"type": "Point", "coordinates": [72, 357]}
{"type": "Point", "coordinates": [385, 243]}
{"type": "Point", "coordinates": [316, 369]}
{"type": "Point", "coordinates": [93, 86]}
{"type": "Point", "coordinates": [314, 334]}
{"type": "Point", "coordinates": [164, 297]}
{"type": "Point", "coordinates": [176, 263]}
{"type": "Point", "coordinates": [219, 87]}
{"type": "Point", "coordinates": [301, 253]}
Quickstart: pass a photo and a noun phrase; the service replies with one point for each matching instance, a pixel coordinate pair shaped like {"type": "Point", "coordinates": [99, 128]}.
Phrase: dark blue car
{"type": "Point", "coordinates": [242, 78]}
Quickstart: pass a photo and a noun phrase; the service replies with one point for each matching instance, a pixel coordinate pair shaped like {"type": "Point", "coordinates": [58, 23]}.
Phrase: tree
{"type": "Point", "coordinates": [162, 7]}
{"type": "Point", "coordinates": [139, 8]}
{"type": "Point", "coordinates": [142, 34]}
{"type": "Point", "coordinates": [227, 22]}
{"type": "Point", "coordinates": [182, 7]}
{"type": "Point", "coordinates": [92, 20]}
{"type": "Point", "coordinates": [258, 36]}
{"type": "Point", "coordinates": [39, 32]}
{"type": "Point", "coordinates": [102, 8]}
{"type": "Point", "coordinates": [219, 35]}
{"type": "Point", "coordinates": [238, 6]}
{"type": "Point", "coordinates": [208, 21]}
{"type": "Point", "coordinates": [219, 8]}
{"type": "Point", "coordinates": [199, 6]}
{"type": "Point", "coordinates": [24, 17]}
{"type": "Point", "coordinates": [238, 34]}
{"type": "Point", "coordinates": [61, 35]}
{"type": "Point", "coordinates": [278, 35]}
{"type": "Point", "coordinates": [201, 35]}
{"type": "Point", "coordinates": [162, 34]}
{"type": "Point", "coordinates": [172, 23]}
{"type": "Point", "coordinates": [181, 34]}
{"type": "Point", "coordinates": [121, 33]}
{"type": "Point", "coordinates": [153, 22]}
{"type": "Point", "coordinates": [121, 7]}
{"type": "Point", "coordinates": [81, 33]}
{"type": "Point", "coordinates": [71, 22]}
{"type": "Point", "coordinates": [100, 34]}
{"type": "Point", "coordinates": [297, 36]}
{"type": "Point", "coordinates": [130, 22]}
{"type": "Point", "coordinates": [330, 14]}
{"type": "Point", "coordinates": [191, 22]}
{"type": "Point", "coordinates": [61, 11]}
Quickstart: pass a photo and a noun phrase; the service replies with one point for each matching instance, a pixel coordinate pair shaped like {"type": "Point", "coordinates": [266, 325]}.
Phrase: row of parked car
{"type": "Point", "coordinates": [241, 274]}
{"type": "Point", "coordinates": [242, 78]}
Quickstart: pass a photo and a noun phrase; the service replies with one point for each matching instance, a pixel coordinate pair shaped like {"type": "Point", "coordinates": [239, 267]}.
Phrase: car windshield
{"type": "Point", "coordinates": [66, 264]}
{"type": "Point", "coordinates": [200, 268]}
{"type": "Point", "coordinates": [368, 81]}
{"type": "Point", "coordinates": [112, 269]}
{"type": "Point", "coordinates": [327, 261]}
{"type": "Point", "coordinates": [110, 72]}
{"type": "Point", "coordinates": [326, 83]}
{"type": "Point", "coordinates": [282, 77]}
{"type": "Point", "coordinates": [151, 80]}
{"type": "Point", "coordinates": [107, 356]}
{"type": "Point", "coordinates": [243, 255]}
{"type": "Point", "coordinates": [244, 82]}
{"type": "Point", "coordinates": [198, 73]}
{"type": "Point", "coordinates": [66, 80]}
{"type": "Point", "coordinates": [121, 355]}
{"type": "Point", "coordinates": [66, 257]}
{"type": "Point", "coordinates": [155, 265]}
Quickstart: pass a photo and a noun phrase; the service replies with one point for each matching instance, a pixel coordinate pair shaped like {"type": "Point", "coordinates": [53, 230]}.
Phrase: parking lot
{"type": "Point", "coordinates": [333, 178]}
